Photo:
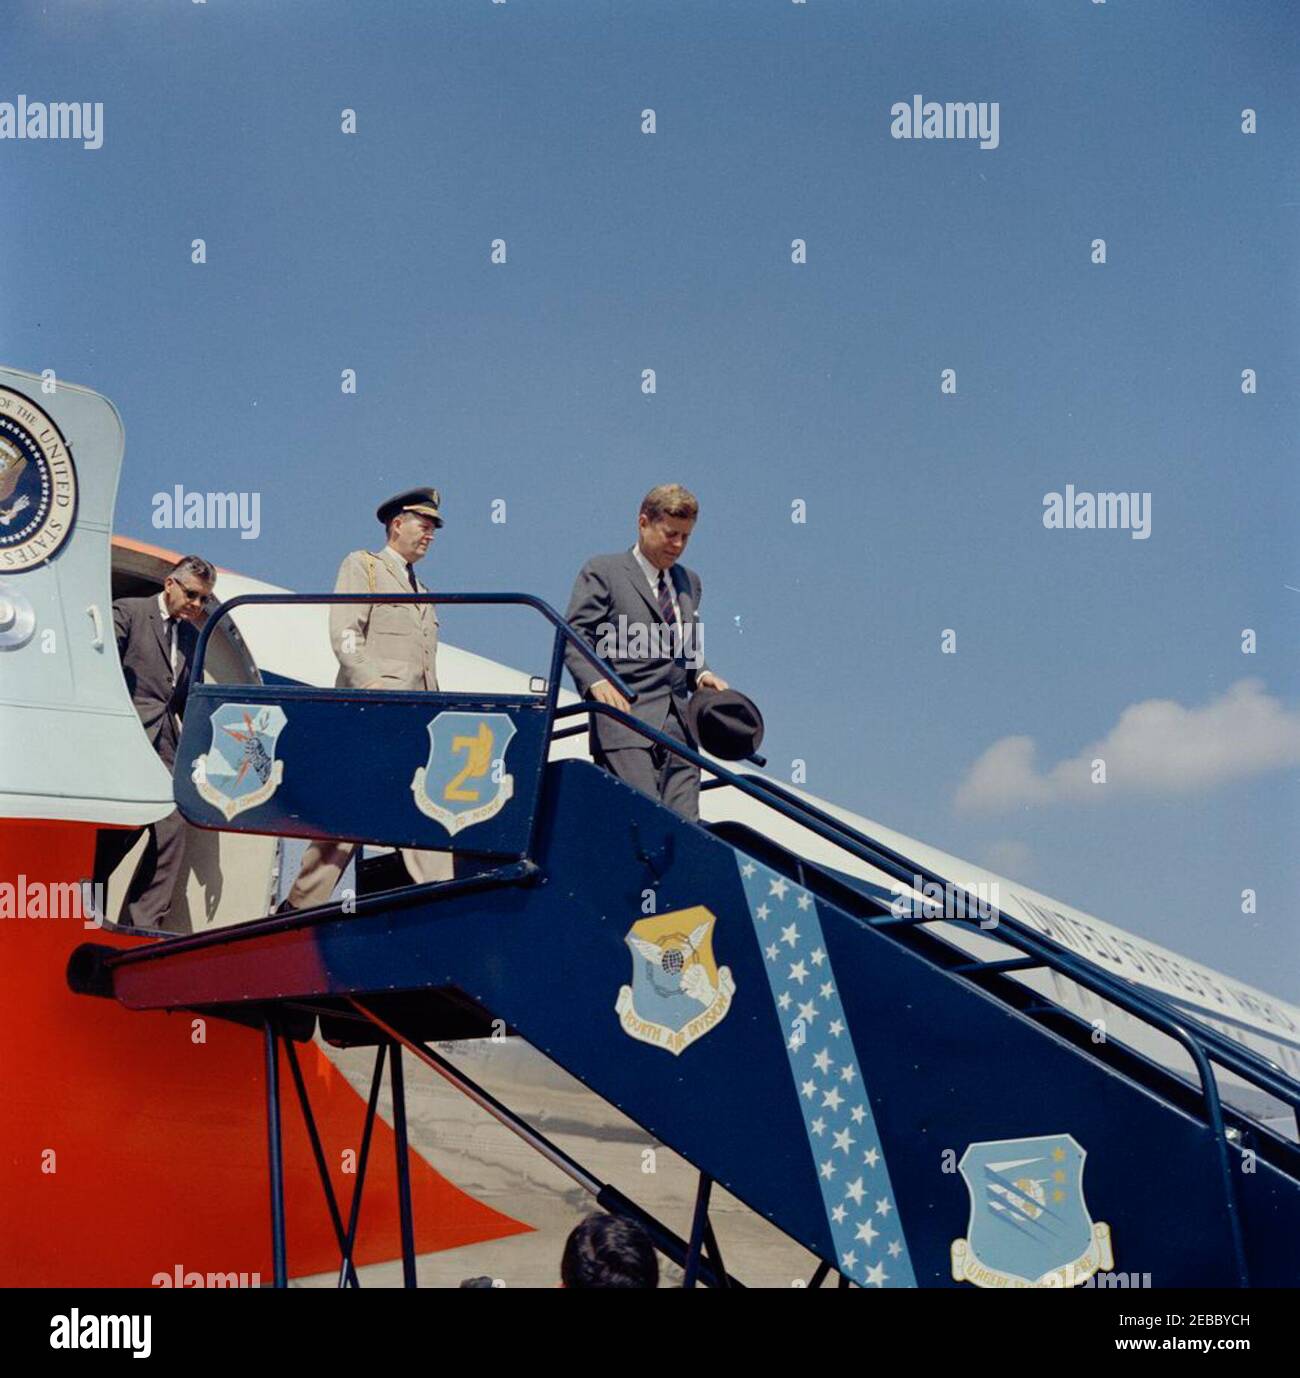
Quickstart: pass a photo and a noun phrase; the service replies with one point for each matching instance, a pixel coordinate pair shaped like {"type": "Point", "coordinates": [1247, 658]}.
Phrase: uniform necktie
{"type": "Point", "coordinates": [410, 574]}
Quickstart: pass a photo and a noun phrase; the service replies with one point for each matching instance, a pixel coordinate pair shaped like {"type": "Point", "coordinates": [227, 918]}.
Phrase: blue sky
{"type": "Point", "coordinates": [775, 382]}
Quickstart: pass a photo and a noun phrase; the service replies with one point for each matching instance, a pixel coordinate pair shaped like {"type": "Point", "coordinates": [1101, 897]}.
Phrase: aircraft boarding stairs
{"type": "Point", "coordinates": [912, 1115]}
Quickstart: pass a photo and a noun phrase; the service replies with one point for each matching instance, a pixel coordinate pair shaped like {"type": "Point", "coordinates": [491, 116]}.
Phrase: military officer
{"type": "Point", "coordinates": [381, 646]}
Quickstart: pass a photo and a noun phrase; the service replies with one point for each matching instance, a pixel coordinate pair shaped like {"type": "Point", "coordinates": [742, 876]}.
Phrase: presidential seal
{"type": "Point", "coordinates": [38, 485]}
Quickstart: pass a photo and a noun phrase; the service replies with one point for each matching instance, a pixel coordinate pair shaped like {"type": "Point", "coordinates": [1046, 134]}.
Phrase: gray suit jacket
{"type": "Point", "coordinates": [612, 596]}
{"type": "Point", "coordinates": [144, 647]}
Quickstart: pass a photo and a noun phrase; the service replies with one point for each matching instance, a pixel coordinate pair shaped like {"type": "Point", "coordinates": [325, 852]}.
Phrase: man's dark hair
{"type": "Point", "coordinates": [607, 1251]}
{"type": "Point", "coordinates": [670, 500]}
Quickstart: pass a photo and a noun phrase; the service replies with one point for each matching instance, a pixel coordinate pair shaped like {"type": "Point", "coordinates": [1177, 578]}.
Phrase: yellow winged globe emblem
{"type": "Point", "coordinates": [678, 991]}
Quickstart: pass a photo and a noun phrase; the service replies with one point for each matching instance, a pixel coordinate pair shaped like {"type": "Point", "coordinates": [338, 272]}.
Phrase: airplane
{"type": "Point", "coordinates": [135, 1140]}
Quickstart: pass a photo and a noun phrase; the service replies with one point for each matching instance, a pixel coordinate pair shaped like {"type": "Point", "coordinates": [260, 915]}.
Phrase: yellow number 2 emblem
{"type": "Point", "coordinates": [471, 749]}
{"type": "Point", "coordinates": [478, 761]}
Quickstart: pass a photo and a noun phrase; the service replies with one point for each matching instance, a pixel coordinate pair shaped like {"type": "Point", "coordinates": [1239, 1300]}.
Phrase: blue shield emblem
{"type": "Point", "coordinates": [678, 991]}
{"type": "Point", "coordinates": [464, 781]}
{"type": "Point", "coordinates": [239, 770]}
{"type": "Point", "coordinates": [1029, 1224]}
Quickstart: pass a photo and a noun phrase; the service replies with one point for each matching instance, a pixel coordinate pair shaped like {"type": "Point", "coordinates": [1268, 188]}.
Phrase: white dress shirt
{"type": "Point", "coordinates": [652, 577]}
{"type": "Point", "coordinates": [170, 623]}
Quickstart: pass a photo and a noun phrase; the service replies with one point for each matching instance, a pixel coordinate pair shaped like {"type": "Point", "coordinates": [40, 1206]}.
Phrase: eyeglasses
{"type": "Point", "coordinates": [191, 595]}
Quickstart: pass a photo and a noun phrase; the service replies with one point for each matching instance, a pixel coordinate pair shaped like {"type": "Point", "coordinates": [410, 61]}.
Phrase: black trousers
{"type": "Point", "coordinates": [149, 894]}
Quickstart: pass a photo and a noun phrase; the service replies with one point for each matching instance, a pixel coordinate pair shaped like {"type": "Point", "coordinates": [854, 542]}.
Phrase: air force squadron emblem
{"type": "Point", "coordinates": [239, 770]}
{"type": "Point", "coordinates": [464, 780]}
{"type": "Point", "coordinates": [1029, 1224]}
{"type": "Point", "coordinates": [678, 992]}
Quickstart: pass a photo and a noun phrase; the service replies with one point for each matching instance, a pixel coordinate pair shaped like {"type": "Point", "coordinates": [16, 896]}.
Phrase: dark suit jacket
{"type": "Point", "coordinates": [143, 644]}
{"type": "Point", "coordinates": [613, 587]}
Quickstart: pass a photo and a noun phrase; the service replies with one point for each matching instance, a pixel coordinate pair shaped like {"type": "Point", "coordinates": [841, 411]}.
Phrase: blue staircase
{"type": "Point", "coordinates": [914, 1117]}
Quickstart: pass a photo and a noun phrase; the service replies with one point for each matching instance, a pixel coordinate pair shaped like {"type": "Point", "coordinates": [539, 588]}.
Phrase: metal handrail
{"type": "Point", "coordinates": [527, 600]}
{"type": "Point", "coordinates": [799, 810]}
{"type": "Point", "coordinates": [1266, 1077]}
{"type": "Point", "coordinates": [1196, 1041]}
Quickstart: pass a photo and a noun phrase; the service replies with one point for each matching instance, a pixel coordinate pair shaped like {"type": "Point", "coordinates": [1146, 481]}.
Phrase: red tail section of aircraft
{"type": "Point", "coordinates": [132, 1144]}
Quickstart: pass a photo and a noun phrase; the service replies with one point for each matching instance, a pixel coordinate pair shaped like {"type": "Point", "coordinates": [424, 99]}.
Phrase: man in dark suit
{"type": "Point", "coordinates": [639, 611]}
{"type": "Point", "coordinates": [156, 636]}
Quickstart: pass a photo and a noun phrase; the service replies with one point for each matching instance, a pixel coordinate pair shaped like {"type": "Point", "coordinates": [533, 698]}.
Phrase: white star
{"type": "Point", "coordinates": [796, 1040]}
{"type": "Point", "coordinates": [771, 952]}
{"type": "Point", "coordinates": [837, 1027]}
{"type": "Point", "coordinates": [877, 1275]}
{"type": "Point", "coordinates": [843, 1139]}
{"type": "Point", "coordinates": [805, 900]}
{"type": "Point", "coordinates": [762, 911]}
{"type": "Point", "coordinates": [798, 972]}
{"type": "Point", "coordinates": [850, 1260]}
{"type": "Point", "coordinates": [818, 957]}
{"type": "Point", "coordinates": [823, 1061]}
{"type": "Point", "coordinates": [783, 1000]}
{"type": "Point", "coordinates": [818, 1126]}
{"type": "Point", "coordinates": [871, 1157]}
{"type": "Point", "coordinates": [895, 1249]}
{"type": "Point", "coordinates": [828, 1169]}
{"type": "Point", "coordinates": [827, 991]}
{"type": "Point", "coordinates": [837, 1215]}
{"type": "Point", "coordinates": [807, 1012]}
{"type": "Point", "coordinates": [777, 887]}
{"type": "Point", "coordinates": [790, 935]}
{"type": "Point", "coordinates": [883, 1207]}
{"type": "Point", "coordinates": [747, 869]}
{"type": "Point", "coordinates": [856, 1190]}
{"type": "Point", "coordinates": [866, 1232]}
{"type": "Point", "coordinates": [858, 1114]}
{"type": "Point", "coordinates": [847, 1073]}
{"type": "Point", "coordinates": [831, 1098]}
{"type": "Point", "coordinates": [809, 1089]}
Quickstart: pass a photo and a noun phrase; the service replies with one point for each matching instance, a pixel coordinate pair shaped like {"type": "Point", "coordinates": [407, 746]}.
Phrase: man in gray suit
{"type": "Point", "coordinates": [639, 611]}
{"type": "Point", "coordinates": [156, 637]}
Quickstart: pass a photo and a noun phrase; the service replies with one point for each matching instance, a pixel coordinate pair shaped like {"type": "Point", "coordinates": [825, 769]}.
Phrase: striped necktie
{"type": "Point", "coordinates": [666, 599]}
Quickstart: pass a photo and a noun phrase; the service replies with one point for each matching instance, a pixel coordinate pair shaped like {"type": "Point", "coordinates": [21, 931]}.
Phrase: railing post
{"type": "Point", "coordinates": [397, 1079]}
{"type": "Point", "coordinates": [275, 1152]}
{"type": "Point", "coordinates": [698, 1227]}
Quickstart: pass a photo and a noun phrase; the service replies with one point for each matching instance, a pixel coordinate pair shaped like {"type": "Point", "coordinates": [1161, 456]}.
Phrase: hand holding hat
{"type": "Point", "coordinates": [725, 722]}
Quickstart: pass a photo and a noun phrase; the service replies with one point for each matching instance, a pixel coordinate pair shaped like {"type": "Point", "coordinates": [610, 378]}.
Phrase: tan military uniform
{"type": "Point", "coordinates": [382, 645]}
{"type": "Point", "coordinates": [379, 646]}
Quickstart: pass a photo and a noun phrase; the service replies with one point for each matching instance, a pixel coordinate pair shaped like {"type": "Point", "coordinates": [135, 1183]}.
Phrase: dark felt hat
{"type": "Point", "coordinates": [423, 500]}
{"type": "Point", "coordinates": [725, 723]}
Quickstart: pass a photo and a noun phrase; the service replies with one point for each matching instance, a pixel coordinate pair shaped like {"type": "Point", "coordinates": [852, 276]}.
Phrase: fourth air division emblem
{"type": "Point", "coordinates": [678, 992]}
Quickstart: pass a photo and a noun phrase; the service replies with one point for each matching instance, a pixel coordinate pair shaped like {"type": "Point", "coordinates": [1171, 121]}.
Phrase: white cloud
{"type": "Point", "coordinates": [1157, 747]}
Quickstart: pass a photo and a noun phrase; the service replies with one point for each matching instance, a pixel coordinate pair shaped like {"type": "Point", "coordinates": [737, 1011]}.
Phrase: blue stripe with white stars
{"type": "Point", "coordinates": [842, 1134]}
